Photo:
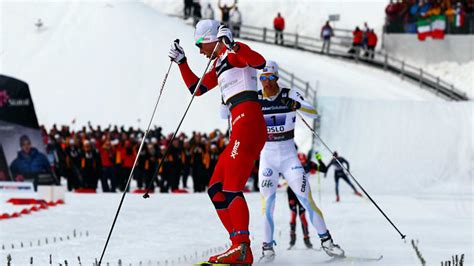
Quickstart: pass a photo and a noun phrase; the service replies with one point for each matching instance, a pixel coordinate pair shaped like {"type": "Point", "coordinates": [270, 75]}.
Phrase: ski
{"type": "Point", "coordinates": [206, 263]}
{"type": "Point", "coordinates": [356, 259]}
{"type": "Point", "coordinates": [290, 247]}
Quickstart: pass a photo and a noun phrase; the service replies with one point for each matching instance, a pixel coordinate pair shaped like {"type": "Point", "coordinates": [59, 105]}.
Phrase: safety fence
{"type": "Point", "coordinates": [341, 47]}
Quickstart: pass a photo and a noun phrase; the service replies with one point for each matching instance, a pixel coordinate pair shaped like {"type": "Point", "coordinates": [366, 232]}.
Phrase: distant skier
{"type": "Point", "coordinates": [279, 156]}
{"type": "Point", "coordinates": [339, 173]}
{"type": "Point", "coordinates": [39, 24]}
{"type": "Point", "coordinates": [233, 70]}
{"type": "Point", "coordinates": [297, 209]}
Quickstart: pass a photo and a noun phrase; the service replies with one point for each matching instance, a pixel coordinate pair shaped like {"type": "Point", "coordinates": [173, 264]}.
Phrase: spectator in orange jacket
{"type": "Point", "coordinates": [371, 43]}
{"type": "Point", "coordinates": [279, 26]}
{"type": "Point", "coordinates": [125, 158]}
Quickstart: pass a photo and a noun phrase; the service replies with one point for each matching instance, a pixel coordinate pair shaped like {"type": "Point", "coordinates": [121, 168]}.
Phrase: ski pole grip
{"type": "Point", "coordinates": [177, 41]}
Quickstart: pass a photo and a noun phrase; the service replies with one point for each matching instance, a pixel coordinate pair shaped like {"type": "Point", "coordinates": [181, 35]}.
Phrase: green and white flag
{"type": "Point", "coordinates": [438, 26]}
{"type": "Point", "coordinates": [423, 29]}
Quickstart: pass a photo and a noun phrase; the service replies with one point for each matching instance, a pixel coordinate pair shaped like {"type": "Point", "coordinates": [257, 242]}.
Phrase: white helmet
{"type": "Point", "coordinates": [206, 31]}
{"type": "Point", "coordinates": [271, 67]}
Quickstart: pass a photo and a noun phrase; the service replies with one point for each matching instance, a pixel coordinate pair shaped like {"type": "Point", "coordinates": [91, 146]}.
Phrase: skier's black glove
{"type": "Point", "coordinates": [292, 104]}
{"type": "Point", "coordinates": [176, 53]}
{"type": "Point", "coordinates": [225, 35]}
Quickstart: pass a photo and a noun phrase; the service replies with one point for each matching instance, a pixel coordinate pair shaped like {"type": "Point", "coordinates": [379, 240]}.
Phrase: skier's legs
{"type": "Point", "coordinates": [248, 137]}
{"type": "Point", "coordinates": [336, 180]}
{"type": "Point", "coordinates": [293, 204]}
{"type": "Point", "coordinates": [268, 182]}
{"type": "Point", "coordinates": [216, 194]}
{"type": "Point", "coordinates": [298, 181]}
{"type": "Point", "coordinates": [349, 182]}
{"type": "Point", "coordinates": [304, 222]}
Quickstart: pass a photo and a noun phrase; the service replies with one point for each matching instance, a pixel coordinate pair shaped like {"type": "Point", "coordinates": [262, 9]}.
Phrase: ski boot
{"type": "Point", "coordinates": [292, 234]}
{"type": "Point", "coordinates": [307, 242]}
{"type": "Point", "coordinates": [268, 253]}
{"type": "Point", "coordinates": [239, 253]}
{"type": "Point", "coordinates": [333, 250]}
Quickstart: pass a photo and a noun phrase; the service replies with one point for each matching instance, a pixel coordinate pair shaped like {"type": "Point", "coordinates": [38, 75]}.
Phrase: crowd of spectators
{"type": "Point", "coordinates": [230, 15]}
{"type": "Point", "coordinates": [364, 41]}
{"type": "Point", "coordinates": [403, 15]}
{"type": "Point", "coordinates": [91, 155]}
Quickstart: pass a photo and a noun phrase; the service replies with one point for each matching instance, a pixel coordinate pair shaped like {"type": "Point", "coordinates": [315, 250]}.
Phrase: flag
{"type": "Point", "coordinates": [459, 18]}
{"type": "Point", "coordinates": [423, 28]}
{"type": "Point", "coordinates": [438, 26]}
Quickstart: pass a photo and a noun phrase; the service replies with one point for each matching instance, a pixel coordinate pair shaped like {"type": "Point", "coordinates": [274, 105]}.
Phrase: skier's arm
{"type": "Point", "coordinates": [329, 166]}
{"type": "Point", "coordinates": [306, 108]}
{"type": "Point", "coordinates": [209, 81]}
{"type": "Point", "coordinates": [244, 56]}
{"type": "Point", "coordinates": [344, 161]}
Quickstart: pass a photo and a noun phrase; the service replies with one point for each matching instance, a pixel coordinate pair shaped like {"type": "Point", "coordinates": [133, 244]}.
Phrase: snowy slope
{"type": "Point", "coordinates": [166, 230]}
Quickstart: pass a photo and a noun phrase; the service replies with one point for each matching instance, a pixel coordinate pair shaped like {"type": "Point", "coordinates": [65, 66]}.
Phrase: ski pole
{"type": "Point", "coordinates": [347, 170]}
{"type": "Point", "coordinates": [135, 162]}
{"type": "Point", "coordinates": [148, 187]}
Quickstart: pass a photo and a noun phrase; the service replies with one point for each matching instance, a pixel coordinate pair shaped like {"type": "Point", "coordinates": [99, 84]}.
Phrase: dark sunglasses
{"type": "Point", "coordinates": [271, 77]}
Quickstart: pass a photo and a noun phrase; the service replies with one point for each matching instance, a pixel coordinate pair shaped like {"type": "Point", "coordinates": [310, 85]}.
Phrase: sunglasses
{"type": "Point", "coordinates": [271, 77]}
{"type": "Point", "coordinates": [199, 42]}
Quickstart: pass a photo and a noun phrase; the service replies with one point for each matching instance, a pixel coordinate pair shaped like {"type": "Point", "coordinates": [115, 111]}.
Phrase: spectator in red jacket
{"type": "Point", "coordinates": [371, 43]}
{"type": "Point", "coordinates": [279, 26]}
{"type": "Point", "coordinates": [356, 41]}
{"type": "Point", "coordinates": [108, 156]}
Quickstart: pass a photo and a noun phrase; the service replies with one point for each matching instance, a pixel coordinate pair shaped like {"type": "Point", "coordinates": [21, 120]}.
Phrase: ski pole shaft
{"type": "Point", "coordinates": [349, 172]}
{"type": "Point", "coordinates": [135, 162]}
{"type": "Point", "coordinates": [150, 183]}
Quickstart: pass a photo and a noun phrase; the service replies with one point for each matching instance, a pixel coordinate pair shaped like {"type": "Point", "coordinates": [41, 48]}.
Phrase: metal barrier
{"type": "Point", "coordinates": [340, 48]}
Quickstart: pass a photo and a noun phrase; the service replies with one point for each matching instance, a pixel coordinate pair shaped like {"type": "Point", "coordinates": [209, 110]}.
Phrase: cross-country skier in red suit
{"type": "Point", "coordinates": [234, 72]}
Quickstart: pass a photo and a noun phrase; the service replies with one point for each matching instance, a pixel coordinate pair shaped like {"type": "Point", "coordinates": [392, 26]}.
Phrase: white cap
{"type": "Point", "coordinates": [270, 68]}
{"type": "Point", "coordinates": [206, 31]}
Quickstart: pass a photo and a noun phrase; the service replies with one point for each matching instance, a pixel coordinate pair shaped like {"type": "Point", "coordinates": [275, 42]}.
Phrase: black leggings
{"type": "Point", "coordinates": [338, 175]}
